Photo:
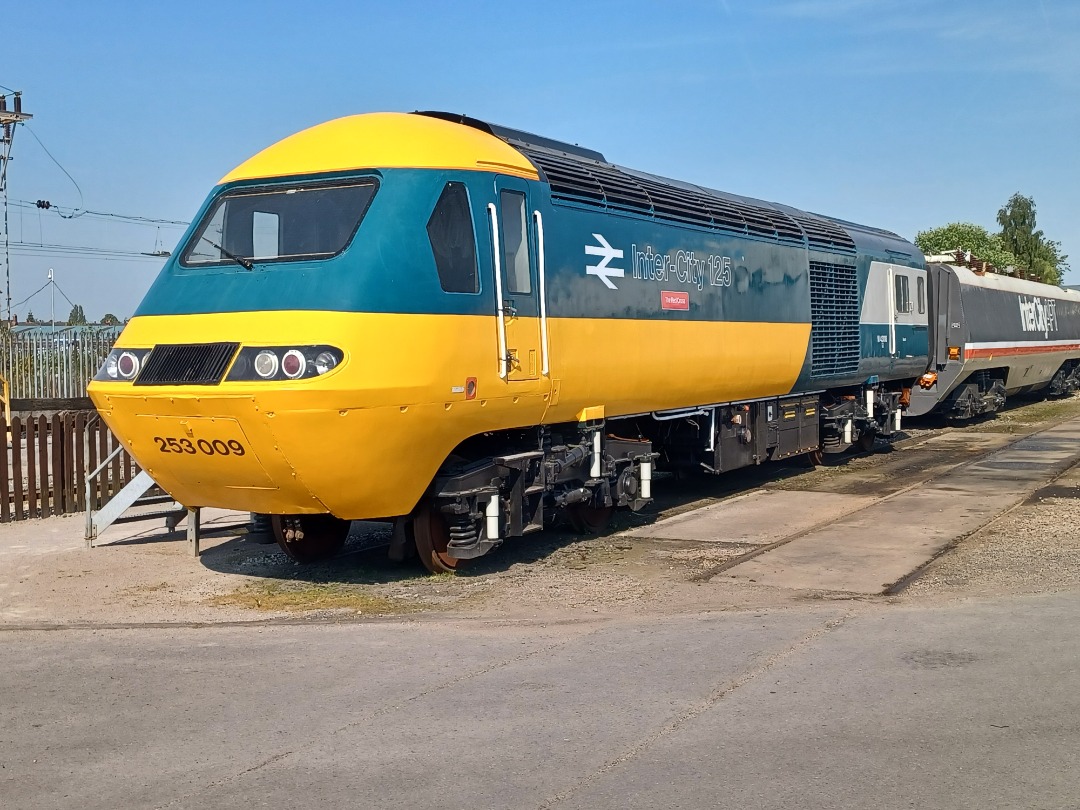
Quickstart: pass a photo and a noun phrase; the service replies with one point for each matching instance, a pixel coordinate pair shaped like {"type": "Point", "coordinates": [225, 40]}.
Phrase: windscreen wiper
{"type": "Point", "coordinates": [247, 264]}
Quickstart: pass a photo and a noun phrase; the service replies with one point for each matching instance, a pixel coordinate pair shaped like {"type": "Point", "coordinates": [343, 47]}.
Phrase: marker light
{"type": "Point", "coordinates": [954, 352]}
{"type": "Point", "coordinates": [293, 364]}
{"type": "Point", "coordinates": [127, 365]}
{"type": "Point", "coordinates": [266, 364]}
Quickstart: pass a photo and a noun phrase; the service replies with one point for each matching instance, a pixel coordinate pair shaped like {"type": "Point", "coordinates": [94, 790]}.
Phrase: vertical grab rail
{"type": "Point", "coordinates": [544, 369]}
{"type": "Point", "coordinates": [500, 314]}
{"type": "Point", "coordinates": [891, 282]}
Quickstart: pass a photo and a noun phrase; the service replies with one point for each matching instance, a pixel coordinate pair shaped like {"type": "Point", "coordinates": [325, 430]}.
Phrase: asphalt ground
{"type": "Point", "coordinates": [842, 705]}
{"type": "Point", "coordinates": [700, 689]}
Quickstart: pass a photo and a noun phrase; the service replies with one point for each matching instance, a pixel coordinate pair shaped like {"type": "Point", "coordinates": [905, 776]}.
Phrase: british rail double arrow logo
{"type": "Point", "coordinates": [601, 270]}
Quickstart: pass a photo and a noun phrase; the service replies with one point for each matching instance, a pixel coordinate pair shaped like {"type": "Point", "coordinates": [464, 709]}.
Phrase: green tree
{"type": "Point", "coordinates": [966, 236]}
{"type": "Point", "coordinates": [1038, 256]}
{"type": "Point", "coordinates": [1050, 263]}
{"type": "Point", "coordinates": [108, 319]}
{"type": "Point", "coordinates": [76, 316]}
{"type": "Point", "coordinates": [1018, 234]}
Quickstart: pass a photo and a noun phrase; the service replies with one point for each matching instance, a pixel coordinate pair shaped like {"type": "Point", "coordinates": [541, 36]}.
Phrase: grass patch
{"type": "Point", "coordinates": [136, 590]}
{"type": "Point", "coordinates": [306, 596]}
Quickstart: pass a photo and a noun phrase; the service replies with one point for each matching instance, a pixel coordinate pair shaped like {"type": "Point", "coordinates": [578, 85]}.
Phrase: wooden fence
{"type": "Point", "coordinates": [44, 466]}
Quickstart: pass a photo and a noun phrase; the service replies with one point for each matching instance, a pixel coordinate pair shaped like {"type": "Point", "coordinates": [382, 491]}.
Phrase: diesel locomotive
{"type": "Point", "coordinates": [469, 329]}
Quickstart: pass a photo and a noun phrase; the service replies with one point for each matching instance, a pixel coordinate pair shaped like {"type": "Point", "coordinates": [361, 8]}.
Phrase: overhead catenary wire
{"type": "Point", "coordinates": [62, 251]}
{"type": "Point", "coordinates": [103, 215]}
{"type": "Point", "coordinates": [35, 292]}
{"type": "Point", "coordinates": [46, 249]}
{"type": "Point", "coordinates": [50, 283]}
{"type": "Point", "coordinates": [57, 286]}
{"type": "Point", "coordinates": [76, 212]}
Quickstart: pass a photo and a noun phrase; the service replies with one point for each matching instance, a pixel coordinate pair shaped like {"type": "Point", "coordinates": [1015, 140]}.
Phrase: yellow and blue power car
{"type": "Point", "coordinates": [468, 329]}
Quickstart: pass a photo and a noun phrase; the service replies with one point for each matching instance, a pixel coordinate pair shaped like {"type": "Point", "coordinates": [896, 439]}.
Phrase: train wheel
{"type": "Point", "coordinates": [586, 519]}
{"type": "Point", "coordinates": [310, 538]}
{"type": "Point", "coordinates": [815, 458]}
{"type": "Point", "coordinates": [432, 537]}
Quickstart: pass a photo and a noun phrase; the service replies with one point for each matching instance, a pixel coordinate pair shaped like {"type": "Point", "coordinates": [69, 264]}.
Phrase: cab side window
{"type": "Point", "coordinates": [903, 293]}
{"type": "Point", "coordinates": [453, 243]}
{"type": "Point", "coordinates": [515, 244]}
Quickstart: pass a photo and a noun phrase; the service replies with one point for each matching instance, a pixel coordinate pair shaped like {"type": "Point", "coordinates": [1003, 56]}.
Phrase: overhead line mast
{"type": "Point", "coordinates": [8, 120]}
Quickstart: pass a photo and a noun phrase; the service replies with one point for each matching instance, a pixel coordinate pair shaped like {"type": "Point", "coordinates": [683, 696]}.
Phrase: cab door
{"type": "Point", "coordinates": [518, 282]}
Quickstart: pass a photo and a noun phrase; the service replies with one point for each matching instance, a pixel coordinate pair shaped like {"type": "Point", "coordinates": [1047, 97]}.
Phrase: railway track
{"type": "Point", "coordinates": [924, 460]}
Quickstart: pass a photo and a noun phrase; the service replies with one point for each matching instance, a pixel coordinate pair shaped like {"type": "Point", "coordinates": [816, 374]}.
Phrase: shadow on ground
{"type": "Point", "coordinates": [363, 561]}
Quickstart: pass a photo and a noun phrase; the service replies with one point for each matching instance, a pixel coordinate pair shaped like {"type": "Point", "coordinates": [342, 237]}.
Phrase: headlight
{"type": "Point", "coordinates": [284, 362]}
{"type": "Point", "coordinates": [266, 364]}
{"type": "Point", "coordinates": [122, 365]}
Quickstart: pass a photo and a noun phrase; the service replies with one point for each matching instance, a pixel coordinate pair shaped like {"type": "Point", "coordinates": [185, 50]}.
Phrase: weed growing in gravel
{"type": "Point", "coordinates": [305, 596]}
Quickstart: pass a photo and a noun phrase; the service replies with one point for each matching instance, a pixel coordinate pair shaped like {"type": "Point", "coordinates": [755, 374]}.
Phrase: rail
{"type": "Point", "coordinates": [53, 363]}
{"type": "Point", "coordinates": [134, 493]}
{"type": "Point", "coordinates": [90, 478]}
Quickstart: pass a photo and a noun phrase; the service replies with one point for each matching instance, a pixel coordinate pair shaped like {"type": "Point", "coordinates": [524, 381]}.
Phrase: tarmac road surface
{"type": "Point", "coordinates": [840, 704]}
{"type": "Point", "coordinates": [786, 682]}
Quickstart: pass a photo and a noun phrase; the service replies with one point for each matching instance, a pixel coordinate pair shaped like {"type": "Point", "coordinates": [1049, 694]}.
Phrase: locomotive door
{"type": "Point", "coordinates": [518, 284]}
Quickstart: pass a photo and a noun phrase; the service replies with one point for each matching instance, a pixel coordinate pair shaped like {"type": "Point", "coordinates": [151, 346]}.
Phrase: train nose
{"type": "Point", "coordinates": [208, 451]}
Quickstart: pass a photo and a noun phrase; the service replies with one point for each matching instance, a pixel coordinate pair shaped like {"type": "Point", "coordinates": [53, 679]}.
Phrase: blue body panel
{"type": "Point", "coordinates": [388, 267]}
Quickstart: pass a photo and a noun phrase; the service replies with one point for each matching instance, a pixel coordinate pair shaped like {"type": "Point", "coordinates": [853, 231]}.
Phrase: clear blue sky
{"type": "Point", "coordinates": [904, 115]}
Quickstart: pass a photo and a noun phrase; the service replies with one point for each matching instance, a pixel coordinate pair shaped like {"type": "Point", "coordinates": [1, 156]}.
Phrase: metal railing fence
{"type": "Point", "coordinates": [53, 364]}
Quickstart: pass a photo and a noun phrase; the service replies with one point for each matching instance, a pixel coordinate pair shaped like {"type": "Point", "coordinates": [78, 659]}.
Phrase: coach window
{"type": "Point", "coordinates": [920, 286]}
{"type": "Point", "coordinates": [453, 243]}
{"type": "Point", "coordinates": [903, 293]}
{"type": "Point", "coordinates": [515, 243]}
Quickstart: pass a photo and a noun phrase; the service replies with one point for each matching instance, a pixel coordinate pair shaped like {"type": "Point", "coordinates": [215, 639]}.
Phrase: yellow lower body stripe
{"type": "Point", "coordinates": [365, 440]}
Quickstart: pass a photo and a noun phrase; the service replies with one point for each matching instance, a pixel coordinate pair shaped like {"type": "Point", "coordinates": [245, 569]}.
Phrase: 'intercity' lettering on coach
{"type": "Point", "coordinates": [683, 266]}
{"type": "Point", "coordinates": [1038, 314]}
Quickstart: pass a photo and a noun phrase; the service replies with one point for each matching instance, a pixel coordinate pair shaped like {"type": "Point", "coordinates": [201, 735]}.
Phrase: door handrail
{"type": "Point", "coordinates": [544, 368]}
{"type": "Point", "coordinates": [500, 314]}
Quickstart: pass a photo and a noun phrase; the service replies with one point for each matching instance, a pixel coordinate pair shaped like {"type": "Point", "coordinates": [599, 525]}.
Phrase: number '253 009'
{"type": "Point", "coordinates": [217, 447]}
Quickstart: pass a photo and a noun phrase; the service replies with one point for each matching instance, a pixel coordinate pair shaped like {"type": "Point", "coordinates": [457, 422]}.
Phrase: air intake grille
{"type": "Point", "coordinates": [585, 181]}
{"type": "Point", "coordinates": [191, 364]}
{"type": "Point", "coordinates": [822, 234]}
{"type": "Point", "coordinates": [834, 313]}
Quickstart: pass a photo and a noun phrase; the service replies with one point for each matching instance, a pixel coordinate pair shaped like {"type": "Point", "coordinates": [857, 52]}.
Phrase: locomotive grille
{"type": "Point", "coordinates": [834, 315]}
{"type": "Point", "coordinates": [579, 180]}
{"type": "Point", "coordinates": [187, 364]}
{"type": "Point", "coordinates": [824, 234]}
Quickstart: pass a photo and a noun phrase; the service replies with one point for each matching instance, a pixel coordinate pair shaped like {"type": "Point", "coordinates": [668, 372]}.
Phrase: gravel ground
{"type": "Point", "coordinates": [1034, 548]}
{"type": "Point", "coordinates": [143, 576]}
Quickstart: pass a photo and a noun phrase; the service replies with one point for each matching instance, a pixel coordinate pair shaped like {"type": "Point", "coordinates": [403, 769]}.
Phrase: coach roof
{"type": "Point", "coordinates": [384, 141]}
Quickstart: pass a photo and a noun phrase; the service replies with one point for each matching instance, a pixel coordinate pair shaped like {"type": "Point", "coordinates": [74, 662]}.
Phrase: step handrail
{"type": "Point", "coordinates": [89, 506]}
